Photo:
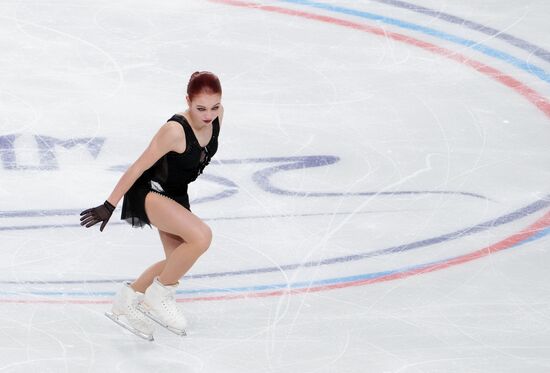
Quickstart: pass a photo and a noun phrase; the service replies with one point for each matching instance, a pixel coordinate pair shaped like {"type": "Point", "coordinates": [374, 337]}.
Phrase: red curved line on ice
{"type": "Point", "coordinates": [533, 96]}
{"type": "Point", "coordinates": [504, 244]}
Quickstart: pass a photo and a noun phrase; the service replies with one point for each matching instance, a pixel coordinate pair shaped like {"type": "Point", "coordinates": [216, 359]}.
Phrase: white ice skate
{"type": "Point", "coordinates": [125, 313]}
{"type": "Point", "coordinates": [159, 304]}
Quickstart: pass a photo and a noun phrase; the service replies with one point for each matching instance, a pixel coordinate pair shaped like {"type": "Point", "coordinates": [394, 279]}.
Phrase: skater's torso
{"type": "Point", "coordinates": [172, 173]}
{"type": "Point", "coordinates": [175, 170]}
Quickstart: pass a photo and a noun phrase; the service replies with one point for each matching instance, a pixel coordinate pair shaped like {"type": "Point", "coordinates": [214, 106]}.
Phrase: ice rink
{"type": "Point", "coordinates": [380, 199]}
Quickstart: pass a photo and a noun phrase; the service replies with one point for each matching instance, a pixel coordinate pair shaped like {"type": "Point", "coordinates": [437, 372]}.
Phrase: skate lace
{"type": "Point", "coordinates": [171, 307]}
{"type": "Point", "coordinates": [135, 318]}
{"type": "Point", "coordinates": [132, 313]}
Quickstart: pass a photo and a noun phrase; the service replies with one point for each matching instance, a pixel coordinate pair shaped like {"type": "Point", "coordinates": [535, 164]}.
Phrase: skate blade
{"type": "Point", "coordinates": [180, 332]}
{"type": "Point", "coordinates": [116, 319]}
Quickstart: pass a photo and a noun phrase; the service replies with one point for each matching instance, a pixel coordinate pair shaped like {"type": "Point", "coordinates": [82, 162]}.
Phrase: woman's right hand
{"type": "Point", "coordinates": [94, 215]}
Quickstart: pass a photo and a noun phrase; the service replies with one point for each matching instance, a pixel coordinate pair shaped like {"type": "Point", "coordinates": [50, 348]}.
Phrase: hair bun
{"type": "Point", "coordinates": [203, 81]}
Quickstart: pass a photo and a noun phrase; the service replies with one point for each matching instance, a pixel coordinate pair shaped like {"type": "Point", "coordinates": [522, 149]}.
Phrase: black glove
{"type": "Point", "coordinates": [94, 215]}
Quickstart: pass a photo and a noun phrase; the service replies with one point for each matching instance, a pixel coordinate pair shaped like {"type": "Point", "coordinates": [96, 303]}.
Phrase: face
{"type": "Point", "coordinates": [204, 108]}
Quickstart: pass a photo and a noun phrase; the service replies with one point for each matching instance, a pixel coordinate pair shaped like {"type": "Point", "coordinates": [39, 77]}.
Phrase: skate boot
{"type": "Point", "coordinates": [159, 304]}
{"type": "Point", "coordinates": [125, 313]}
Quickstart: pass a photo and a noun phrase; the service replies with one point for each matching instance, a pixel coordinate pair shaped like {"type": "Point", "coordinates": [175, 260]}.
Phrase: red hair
{"type": "Point", "coordinates": [203, 82]}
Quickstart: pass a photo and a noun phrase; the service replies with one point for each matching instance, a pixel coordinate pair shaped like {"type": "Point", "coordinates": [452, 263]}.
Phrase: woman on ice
{"type": "Point", "coordinates": [154, 189]}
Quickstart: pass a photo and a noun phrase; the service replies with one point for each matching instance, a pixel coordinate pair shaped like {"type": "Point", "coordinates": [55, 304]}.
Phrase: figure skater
{"type": "Point", "coordinates": [154, 188]}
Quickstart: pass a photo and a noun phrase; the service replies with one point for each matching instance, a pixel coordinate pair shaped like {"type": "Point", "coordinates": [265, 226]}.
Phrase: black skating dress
{"type": "Point", "coordinates": [171, 174]}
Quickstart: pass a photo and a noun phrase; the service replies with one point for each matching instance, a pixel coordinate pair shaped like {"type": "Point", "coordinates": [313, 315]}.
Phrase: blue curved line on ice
{"type": "Point", "coordinates": [261, 178]}
{"type": "Point", "coordinates": [281, 286]}
{"type": "Point", "coordinates": [504, 219]}
{"type": "Point", "coordinates": [497, 34]}
{"type": "Point", "coordinates": [503, 56]}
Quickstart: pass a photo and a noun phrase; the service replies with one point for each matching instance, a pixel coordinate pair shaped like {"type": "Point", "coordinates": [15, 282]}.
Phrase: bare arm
{"type": "Point", "coordinates": [166, 139]}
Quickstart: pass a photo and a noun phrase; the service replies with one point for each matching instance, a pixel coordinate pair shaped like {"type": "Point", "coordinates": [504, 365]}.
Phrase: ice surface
{"type": "Point", "coordinates": [379, 200]}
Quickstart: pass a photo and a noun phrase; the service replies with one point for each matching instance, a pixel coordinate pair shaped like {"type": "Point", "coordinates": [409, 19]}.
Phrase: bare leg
{"type": "Point", "coordinates": [170, 217]}
{"type": "Point", "coordinates": [148, 276]}
{"type": "Point", "coordinates": [169, 242]}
